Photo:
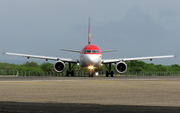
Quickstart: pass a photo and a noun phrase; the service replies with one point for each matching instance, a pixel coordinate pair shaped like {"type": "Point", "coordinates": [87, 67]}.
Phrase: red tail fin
{"type": "Point", "coordinates": [89, 33]}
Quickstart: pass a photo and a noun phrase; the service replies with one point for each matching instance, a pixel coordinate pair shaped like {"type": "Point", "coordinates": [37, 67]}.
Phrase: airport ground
{"type": "Point", "coordinates": [120, 94]}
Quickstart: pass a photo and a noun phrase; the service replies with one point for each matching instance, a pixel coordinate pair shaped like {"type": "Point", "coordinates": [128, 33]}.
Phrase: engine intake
{"type": "Point", "coordinates": [121, 67]}
{"type": "Point", "coordinates": [59, 66]}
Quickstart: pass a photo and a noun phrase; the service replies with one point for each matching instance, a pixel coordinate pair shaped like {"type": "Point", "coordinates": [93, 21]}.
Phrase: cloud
{"type": "Point", "coordinates": [135, 24]}
{"type": "Point", "coordinates": [167, 13]}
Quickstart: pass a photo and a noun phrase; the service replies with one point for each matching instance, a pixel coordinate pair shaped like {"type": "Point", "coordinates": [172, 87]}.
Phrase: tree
{"type": "Point", "coordinates": [47, 66]}
{"type": "Point", "coordinates": [132, 66]}
{"type": "Point", "coordinates": [31, 64]}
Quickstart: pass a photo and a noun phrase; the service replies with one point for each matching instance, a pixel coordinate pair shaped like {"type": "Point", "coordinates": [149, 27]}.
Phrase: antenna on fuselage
{"type": "Point", "coordinates": [89, 33]}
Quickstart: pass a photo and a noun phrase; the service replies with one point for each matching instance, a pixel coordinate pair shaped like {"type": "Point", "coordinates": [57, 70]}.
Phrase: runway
{"type": "Point", "coordinates": [92, 95]}
{"type": "Point", "coordinates": [116, 78]}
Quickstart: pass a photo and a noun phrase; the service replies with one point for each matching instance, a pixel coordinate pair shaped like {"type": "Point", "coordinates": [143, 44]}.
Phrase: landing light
{"type": "Point", "coordinates": [91, 67]}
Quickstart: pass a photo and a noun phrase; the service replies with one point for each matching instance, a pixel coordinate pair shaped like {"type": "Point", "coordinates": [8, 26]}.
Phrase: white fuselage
{"type": "Point", "coordinates": [90, 60]}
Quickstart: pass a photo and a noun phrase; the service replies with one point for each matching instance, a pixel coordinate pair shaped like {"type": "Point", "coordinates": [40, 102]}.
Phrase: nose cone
{"type": "Point", "coordinates": [94, 60]}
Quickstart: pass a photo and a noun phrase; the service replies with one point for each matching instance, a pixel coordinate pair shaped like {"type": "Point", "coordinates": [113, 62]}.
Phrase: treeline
{"type": "Point", "coordinates": [145, 67]}
{"type": "Point", "coordinates": [139, 66]}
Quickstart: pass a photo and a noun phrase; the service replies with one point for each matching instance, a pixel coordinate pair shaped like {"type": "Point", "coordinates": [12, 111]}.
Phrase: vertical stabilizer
{"type": "Point", "coordinates": [89, 33]}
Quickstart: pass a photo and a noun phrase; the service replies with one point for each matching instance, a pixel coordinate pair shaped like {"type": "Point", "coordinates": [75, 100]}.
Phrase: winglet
{"type": "Point", "coordinates": [89, 33]}
{"type": "Point", "coordinates": [175, 55]}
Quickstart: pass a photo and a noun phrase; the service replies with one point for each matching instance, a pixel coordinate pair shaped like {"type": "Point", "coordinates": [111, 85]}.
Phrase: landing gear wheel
{"type": "Point", "coordinates": [67, 73]}
{"type": "Point", "coordinates": [72, 73]}
{"type": "Point", "coordinates": [107, 73]}
{"type": "Point", "coordinates": [90, 74]}
{"type": "Point", "coordinates": [112, 73]}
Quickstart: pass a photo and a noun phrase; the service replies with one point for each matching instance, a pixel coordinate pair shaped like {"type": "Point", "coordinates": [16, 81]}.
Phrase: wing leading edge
{"type": "Point", "coordinates": [43, 57]}
{"type": "Point", "coordinates": [104, 61]}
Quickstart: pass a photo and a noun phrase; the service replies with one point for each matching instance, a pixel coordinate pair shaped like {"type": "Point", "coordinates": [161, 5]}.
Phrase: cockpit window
{"type": "Point", "coordinates": [91, 51]}
{"type": "Point", "coordinates": [95, 51]}
{"type": "Point", "coordinates": [88, 51]}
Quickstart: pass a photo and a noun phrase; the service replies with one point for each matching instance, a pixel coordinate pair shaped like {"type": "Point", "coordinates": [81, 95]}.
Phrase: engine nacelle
{"type": "Point", "coordinates": [121, 67]}
{"type": "Point", "coordinates": [59, 66]}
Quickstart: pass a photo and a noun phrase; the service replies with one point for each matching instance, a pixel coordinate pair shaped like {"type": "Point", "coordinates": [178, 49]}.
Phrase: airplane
{"type": "Point", "coordinates": [91, 58]}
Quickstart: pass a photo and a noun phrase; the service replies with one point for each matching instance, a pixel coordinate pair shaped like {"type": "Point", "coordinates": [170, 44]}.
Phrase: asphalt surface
{"type": "Point", "coordinates": [132, 94]}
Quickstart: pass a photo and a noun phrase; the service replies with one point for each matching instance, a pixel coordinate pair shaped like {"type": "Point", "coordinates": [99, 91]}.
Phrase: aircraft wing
{"type": "Point", "coordinates": [104, 61]}
{"type": "Point", "coordinates": [43, 57]}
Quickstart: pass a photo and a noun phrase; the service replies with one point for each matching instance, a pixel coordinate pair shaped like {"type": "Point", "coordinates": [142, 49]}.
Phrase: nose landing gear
{"type": "Point", "coordinates": [90, 73]}
{"type": "Point", "coordinates": [91, 68]}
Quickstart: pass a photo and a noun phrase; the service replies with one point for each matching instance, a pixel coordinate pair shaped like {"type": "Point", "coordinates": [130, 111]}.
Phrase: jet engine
{"type": "Point", "coordinates": [121, 67]}
{"type": "Point", "coordinates": [59, 66]}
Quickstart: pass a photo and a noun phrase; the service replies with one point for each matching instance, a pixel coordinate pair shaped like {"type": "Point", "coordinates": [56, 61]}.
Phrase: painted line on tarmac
{"type": "Point", "coordinates": [105, 81]}
{"type": "Point", "coordinates": [37, 80]}
{"type": "Point", "coordinates": [148, 79]}
{"type": "Point", "coordinates": [130, 79]}
{"type": "Point", "coordinates": [93, 80]}
{"type": "Point", "coordinates": [23, 81]}
{"type": "Point", "coordinates": [100, 80]}
{"type": "Point", "coordinates": [46, 81]}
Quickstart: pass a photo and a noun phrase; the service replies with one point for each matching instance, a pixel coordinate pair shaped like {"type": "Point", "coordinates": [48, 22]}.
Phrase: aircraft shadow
{"type": "Point", "coordinates": [25, 107]}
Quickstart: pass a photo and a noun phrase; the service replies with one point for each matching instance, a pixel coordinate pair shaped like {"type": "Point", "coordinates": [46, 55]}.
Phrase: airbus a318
{"type": "Point", "coordinates": [91, 58]}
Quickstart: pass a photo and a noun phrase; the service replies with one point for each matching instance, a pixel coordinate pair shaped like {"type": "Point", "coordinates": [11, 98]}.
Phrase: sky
{"type": "Point", "coordinates": [137, 28]}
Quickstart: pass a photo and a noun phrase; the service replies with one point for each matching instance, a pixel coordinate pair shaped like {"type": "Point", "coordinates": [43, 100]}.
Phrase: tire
{"type": "Point", "coordinates": [72, 73]}
{"type": "Point", "coordinates": [91, 74]}
{"type": "Point", "coordinates": [112, 73]}
{"type": "Point", "coordinates": [107, 73]}
{"type": "Point", "coordinates": [67, 73]}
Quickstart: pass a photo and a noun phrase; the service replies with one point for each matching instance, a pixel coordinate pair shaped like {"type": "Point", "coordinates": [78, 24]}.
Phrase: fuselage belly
{"type": "Point", "coordinates": [87, 60]}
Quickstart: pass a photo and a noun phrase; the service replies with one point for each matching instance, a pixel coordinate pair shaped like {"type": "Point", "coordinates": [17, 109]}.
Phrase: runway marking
{"type": "Point", "coordinates": [24, 81]}
{"type": "Point", "coordinates": [155, 79]}
{"type": "Point", "coordinates": [93, 80]}
{"type": "Point", "coordinates": [105, 81]}
{"type": "Point", "coordinates": [35, 80]}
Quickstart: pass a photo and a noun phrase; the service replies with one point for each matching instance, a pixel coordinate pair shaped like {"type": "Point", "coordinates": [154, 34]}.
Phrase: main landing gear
{"type": "Point", "coordinates": [109, 72]}
{"type": "Point", "coordinates": [70, 71]}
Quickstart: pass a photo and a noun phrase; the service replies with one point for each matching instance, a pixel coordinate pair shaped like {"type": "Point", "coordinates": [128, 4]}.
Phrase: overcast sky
{"type": "Point", "coordinates": [137, 28]}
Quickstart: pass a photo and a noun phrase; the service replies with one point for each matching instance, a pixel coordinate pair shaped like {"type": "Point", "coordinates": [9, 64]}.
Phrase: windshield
{"type": "Point", "coordinates": [91, 51]}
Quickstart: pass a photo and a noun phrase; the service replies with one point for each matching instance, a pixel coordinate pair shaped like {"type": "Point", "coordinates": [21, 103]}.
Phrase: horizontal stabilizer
{"type": "Point", "coordinates": [70, 50]}
{"type": "Point", "coordinates": [108, 51]}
